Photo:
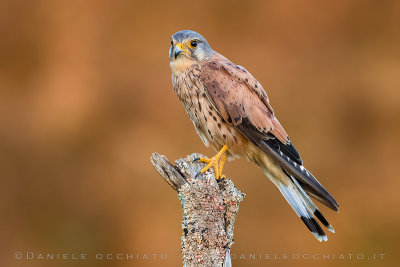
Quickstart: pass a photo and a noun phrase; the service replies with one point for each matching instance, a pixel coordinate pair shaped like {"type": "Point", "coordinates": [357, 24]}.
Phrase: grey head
{"type": "Point", "coordinates": [189, 44]}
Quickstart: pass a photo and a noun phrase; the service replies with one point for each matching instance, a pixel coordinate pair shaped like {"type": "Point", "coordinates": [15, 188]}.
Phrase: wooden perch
{"type": "Point", "coordinates": [209, 210]}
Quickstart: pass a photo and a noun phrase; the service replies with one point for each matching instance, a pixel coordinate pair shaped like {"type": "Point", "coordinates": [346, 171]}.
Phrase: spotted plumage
{"type": "Point", "coordinates": [230, 111]}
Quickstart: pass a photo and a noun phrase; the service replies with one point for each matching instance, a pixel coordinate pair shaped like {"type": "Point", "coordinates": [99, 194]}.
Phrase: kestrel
{"type": "Point", "coordinates": [231, 112]}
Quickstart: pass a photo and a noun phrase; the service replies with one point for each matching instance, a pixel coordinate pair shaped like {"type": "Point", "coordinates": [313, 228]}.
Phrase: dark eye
{"type": "Point", "coordinates": [172, 43]}
{"type": "Point", "coordinates": [193, 43]}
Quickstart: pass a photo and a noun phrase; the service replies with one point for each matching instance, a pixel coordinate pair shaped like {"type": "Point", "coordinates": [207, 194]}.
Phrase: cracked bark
{"type": "Point", "coordinates": [209, 210]}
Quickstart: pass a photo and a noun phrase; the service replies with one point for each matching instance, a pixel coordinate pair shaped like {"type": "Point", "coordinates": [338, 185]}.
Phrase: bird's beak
{"type": "Point", "coordinates": [178, 50]}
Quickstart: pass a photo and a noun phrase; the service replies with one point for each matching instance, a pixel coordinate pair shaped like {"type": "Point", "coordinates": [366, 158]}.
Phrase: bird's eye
{"type": "Point", "coordinates": [193, 44]}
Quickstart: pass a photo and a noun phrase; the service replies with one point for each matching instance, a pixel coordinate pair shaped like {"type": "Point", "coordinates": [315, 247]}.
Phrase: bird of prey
{"type": "Point", "coordinates": [231, 112]}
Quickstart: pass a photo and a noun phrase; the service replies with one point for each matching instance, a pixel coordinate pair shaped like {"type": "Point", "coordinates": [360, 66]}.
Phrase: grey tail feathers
{"type": "Point", "coordinates": [303, 207]}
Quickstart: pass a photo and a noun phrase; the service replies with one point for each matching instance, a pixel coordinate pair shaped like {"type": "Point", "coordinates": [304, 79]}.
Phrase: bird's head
{"type": "Point", "coordinates": [188, 48]}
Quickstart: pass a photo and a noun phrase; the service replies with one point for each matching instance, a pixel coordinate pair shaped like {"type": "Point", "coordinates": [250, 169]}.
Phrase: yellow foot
{"type": "Point", "coordinates": [217, 162]}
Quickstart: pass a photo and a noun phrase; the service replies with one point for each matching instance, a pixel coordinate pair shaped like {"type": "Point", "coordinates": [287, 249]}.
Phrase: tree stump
{"type": "Point", "coordinates": [209, 210]}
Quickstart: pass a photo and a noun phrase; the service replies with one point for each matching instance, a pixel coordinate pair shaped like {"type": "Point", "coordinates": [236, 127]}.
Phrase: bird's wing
{"type": "Point", "coordinates": [239, 95]}
{"type": "Point", "coordinates": [241, 100]}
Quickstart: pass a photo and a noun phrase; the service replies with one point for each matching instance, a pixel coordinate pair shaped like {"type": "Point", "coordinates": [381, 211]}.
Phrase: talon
{"type": "Point", "coordinates": [222, 178]}
{"type": "Point", "coordinates": [196, 159]}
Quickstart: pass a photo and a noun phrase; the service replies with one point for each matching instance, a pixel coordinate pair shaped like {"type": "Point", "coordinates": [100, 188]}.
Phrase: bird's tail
{"type": "Point", "coordinates": [302, 205]}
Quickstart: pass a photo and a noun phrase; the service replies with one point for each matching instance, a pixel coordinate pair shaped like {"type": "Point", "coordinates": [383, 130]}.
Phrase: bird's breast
{"type": "Point", "coordinates": [210, 126]}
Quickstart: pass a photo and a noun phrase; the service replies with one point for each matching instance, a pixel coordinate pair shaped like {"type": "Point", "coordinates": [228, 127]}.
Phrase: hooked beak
{"type": "Point", "coordinates": [178, 50]}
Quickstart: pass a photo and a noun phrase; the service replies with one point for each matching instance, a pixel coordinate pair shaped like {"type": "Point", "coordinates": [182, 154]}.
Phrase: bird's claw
{"type": "Point", "coordinates": [217, 162]}
{"type": "Point", "coordinates": [221, 178]}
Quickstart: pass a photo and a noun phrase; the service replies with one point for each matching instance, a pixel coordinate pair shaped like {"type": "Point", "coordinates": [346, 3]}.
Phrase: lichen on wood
{"type": "Point", "coordinates": [209, 210]}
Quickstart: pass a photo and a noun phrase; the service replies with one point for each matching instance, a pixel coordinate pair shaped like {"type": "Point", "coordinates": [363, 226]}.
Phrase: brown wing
{"type": "Point", "coordinates": [241, 101]}
{"type": "Point", "coordinates": [237, 95]}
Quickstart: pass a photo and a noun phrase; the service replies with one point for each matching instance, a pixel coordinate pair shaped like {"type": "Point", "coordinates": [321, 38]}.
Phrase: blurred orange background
{"type": "Point", "coordinates": [86, 97]}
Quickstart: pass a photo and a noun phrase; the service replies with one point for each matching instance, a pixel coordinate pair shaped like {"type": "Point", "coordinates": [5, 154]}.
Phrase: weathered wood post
{"type": "Point", "coordinates": [209, 210]}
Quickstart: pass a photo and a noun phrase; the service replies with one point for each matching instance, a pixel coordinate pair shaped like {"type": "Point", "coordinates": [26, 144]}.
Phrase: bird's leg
{"type": "Point", "coordinates": [217, 162]}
